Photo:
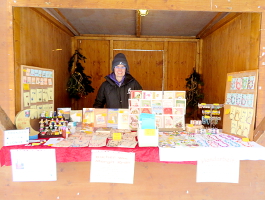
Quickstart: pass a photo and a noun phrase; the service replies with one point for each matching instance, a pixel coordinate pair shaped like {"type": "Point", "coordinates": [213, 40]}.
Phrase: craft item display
{"type": "Point", "coordinates": [211, 114]}
{"type": "Point", "coordinates": [240, 103]}
{"type": "Point", "coordinates": [99, 137]}
{"type": "Point", "coordinates": [185, 139]}
{"type": "Point", "coordinates": [169, 107]}
{"type": "Point", "coordinates": [53, 127]}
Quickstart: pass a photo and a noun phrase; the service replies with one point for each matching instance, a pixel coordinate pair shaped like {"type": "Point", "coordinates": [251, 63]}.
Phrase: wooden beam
{"type": "Point", "coordinates": [50, 18]}
{"type": "Point", "coordinates": [62, 19]}
{"type": "Point", "coordinates": [259, 131]}
{"type": "Point", "coordinates": [217, 22]}
{"type": "Point", "coordinates": [138, 24]}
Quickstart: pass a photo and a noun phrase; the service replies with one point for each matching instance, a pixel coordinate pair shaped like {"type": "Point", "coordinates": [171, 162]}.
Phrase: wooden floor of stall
{"type": "Point", "coordinates": [152, 181]}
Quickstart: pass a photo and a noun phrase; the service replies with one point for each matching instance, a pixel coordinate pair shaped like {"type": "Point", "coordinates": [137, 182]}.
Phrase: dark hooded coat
{"type": "Point", "coordinates": [114, 96]}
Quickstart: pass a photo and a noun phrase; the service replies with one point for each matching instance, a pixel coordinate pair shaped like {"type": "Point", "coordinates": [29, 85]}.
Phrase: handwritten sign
{"type": "Point", "coordinates": [218, 169]}
{"type": "Point", "coordinates": [112, 166]}
{"type": "Point", "coordinates": [16, 137]}
{"type": "Point", "coordinates": [28, 163]}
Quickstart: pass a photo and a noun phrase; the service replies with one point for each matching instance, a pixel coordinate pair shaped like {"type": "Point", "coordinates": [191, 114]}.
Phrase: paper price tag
{"type": "Point", "coordinates": [116, 136]}
{"type": "Point", "coordinates": [149, 132]}
{"type": "Point", "coordinates": [245, 139]}
{"type": "Point", "coordinates": [25, 86]}
{"type": "Point", "coordinates": [227, 111]}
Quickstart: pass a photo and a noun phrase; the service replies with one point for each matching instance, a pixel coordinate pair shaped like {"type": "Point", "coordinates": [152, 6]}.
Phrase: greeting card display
{"type": "Point", "coordinates": [240, 103]}
{"type": "Point", "coordinates": [170, 106]}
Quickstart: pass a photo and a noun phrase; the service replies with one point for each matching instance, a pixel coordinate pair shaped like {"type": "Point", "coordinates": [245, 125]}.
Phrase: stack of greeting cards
{"type": "Point", "coordinates": [169, 107]}
{"type": "Point", "coordinates": [103, 117]}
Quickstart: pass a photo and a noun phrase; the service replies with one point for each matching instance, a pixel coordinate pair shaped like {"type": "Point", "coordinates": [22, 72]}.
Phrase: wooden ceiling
{"type": "Point", "coordinates": [158, 23]}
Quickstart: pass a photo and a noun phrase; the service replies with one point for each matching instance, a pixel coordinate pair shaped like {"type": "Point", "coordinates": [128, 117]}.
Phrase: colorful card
{"type": "Point", "coordinates": [123, 119]}
{"type": "Point", "coordinates": [238, 83]}
{"type": "Point", "coordinates": [168, 103]}
{"type": "Point", "coordinates": [251, 82]}
{"type": "Point", "coordinates": [169, 95]}
{"type": "Point", "coordinates": [133, 121]}
{"type": "Point", "coordinates": [89, 116]}
{"type": "Point", "coordinates": [157, 95]}
{"type": "Point", "coordinates": [112, 117]}
{"type": "Point", "coordinates": [180, 95]}
{"type": "Point", "coordinates": [136, 94]}
{"type": "Point", "coordinates": [244, 83]}
{"type": "Point", "coordinates": [156, 103]}
{"type": "Point", "coordinates": [76, 115]}
{"type": "Point", "coordinates": [180, 103]}
{"type": "Point", "coordinates": [134, 111]}
{"type": "Point", "coordinates": [167, 110]}
{"type": "Point", "coordinates": [145, 103]}
{"type": "Point", "coordinates": [178, 111]}
{"type": "Point", "coordinates": [134, 103]}
{"type": "Point", "coordinates": [159, 121]}
{"type": "Point", "coordinates": [146, 110]}
{"type": "Point", "coordinates": [101, 115]}
{"type": "Point", "coordinates": [147, 94]}
{"type": "Point", "coordinates": [157, 110]}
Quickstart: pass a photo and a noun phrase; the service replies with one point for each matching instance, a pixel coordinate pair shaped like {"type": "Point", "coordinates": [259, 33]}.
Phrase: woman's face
{"type": "Point", "coordinates": [119, 71]}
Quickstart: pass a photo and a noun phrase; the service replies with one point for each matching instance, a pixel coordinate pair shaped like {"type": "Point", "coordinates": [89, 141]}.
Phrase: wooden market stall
{"type": "Point", "coordinates": [243, 37]}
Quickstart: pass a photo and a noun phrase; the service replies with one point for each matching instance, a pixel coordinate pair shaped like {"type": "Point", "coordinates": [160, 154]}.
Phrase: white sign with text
{"type": "Point", "coordinates": [33, 164]}
{"type": "Point", "coordinates": [112, 166]}
{"type": "Point", "coordinates": [218, 169]}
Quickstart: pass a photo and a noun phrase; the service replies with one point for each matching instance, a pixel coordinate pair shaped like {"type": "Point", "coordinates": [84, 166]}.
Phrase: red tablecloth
{"type": "Point", "coordinates": [81, 154]}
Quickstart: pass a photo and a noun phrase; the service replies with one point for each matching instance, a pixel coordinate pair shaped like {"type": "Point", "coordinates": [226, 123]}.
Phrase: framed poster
{"type": "Point", "coordinates": [240, 103]}
{"type": "Point", "coordinates": [37, 89]}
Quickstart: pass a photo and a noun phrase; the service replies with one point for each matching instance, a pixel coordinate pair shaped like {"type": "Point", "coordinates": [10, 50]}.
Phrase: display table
{"type": "Point", "coordinates": [256, 152]}
{"type": "Point", "coordinates": [81, 154]}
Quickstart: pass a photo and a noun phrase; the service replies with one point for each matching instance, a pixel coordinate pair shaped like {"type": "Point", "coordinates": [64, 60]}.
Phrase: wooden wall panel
{"type": "Point", "coordinates": [7, 102]}
{"type": "Point", "coordinates": [96, 66]}
{"type": "Point", "coordinates": [146, 61]}
{"type": "Point", "coordinates": [232, 48]}
{"type": "Point", "coordinates": [137, 45]}
{"type": "Point", "coordinates": [39, 43]}
{"type": "Point", "coordinates": [146, 67]}
{"type": "Point", "coordinates": [181, 59]}
{"type": "Point", "coordinates": [152, 181]}
{"type": "Point", "coordinates": [261, 92]}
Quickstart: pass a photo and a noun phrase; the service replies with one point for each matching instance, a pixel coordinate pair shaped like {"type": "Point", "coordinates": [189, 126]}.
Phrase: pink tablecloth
{"type": "Point", "coordinates": [81, 154]}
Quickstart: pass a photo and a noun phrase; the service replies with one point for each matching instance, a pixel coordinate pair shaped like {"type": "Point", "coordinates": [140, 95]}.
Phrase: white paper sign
{"type": "Point", "coordinates": [33, 164]}
{"type": "Point", "coordinates": [112, 167]}
{"type": "Point", "coordinates": [16, 137]}
{"type": "Point", "coordinates": [218, 169]}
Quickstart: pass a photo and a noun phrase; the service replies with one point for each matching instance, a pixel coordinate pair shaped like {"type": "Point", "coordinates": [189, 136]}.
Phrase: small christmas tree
{"type": "Point", "coordinates": [194, 91]}
{"type": "Point", "coordinates": [79, 84]}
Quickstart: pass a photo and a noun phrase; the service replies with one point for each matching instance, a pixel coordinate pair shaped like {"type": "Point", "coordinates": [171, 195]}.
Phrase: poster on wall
{"type": "Point", "coordinates": [37, 89]}
{"type": "Point", "coordinates": [240, 103]}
